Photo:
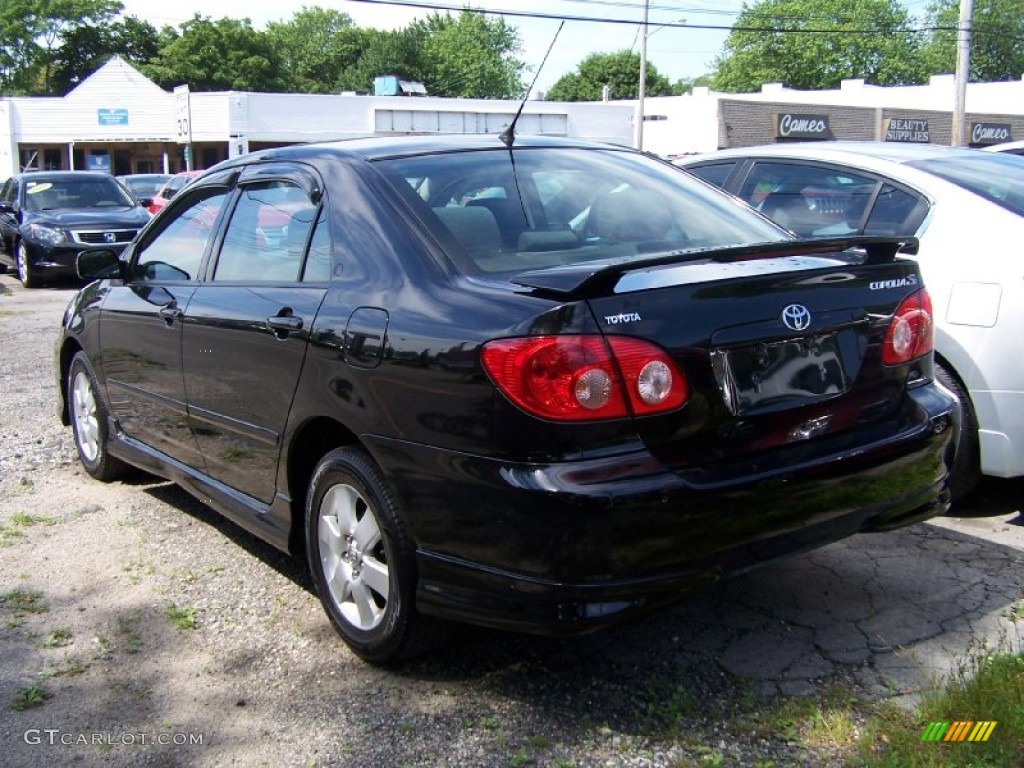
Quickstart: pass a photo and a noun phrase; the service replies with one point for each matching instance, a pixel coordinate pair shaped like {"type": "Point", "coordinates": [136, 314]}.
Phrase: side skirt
{"type": "Point", "coordinates": [272, 522]}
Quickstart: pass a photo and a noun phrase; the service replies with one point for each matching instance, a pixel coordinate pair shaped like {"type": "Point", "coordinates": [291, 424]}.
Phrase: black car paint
{"type": "Point", "coordinates": [518, 522]}
{"type": "Point", "coordinates": [58, 261]}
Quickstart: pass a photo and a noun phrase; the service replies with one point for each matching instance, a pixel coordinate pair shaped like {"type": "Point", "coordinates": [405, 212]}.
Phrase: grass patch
{"type": "Point", "coordinates": [29, 697]}
{"type": "Point", "coordinates": [104, 648]}
{"type": "Point", "coordinates": [22, 601]}
{"type": "Point", "coordinates": [14, 527]}
{"type": "Point", "coordinates": [24, 520]}
{"type": "Point", "coordinates": [58, 638]}
{"type": "Point", "coordinates": [987, 687]}
{"type": "Point", "coordinates": [69, 667]}
{"type": "Point", "coordinates": [182, 618]}
{"type": "Point", "coordinates": [127, 629]}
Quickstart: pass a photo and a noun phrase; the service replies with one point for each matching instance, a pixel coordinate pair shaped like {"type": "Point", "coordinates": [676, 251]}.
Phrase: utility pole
{"type": "Point", "coordinates": [642, 92]}
{"type": "Point", "coordinates": [963, 70]}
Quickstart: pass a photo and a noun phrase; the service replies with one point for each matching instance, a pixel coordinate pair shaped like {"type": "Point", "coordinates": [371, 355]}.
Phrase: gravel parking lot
{"type": "Point", "coordinates": [137, 627]}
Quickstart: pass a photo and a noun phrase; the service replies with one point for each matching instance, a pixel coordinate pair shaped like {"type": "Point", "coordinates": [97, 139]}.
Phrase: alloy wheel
{"type": "Point", "coordinates": [352, 556]}
{"type": "Point", "coordinates": [83, 410]}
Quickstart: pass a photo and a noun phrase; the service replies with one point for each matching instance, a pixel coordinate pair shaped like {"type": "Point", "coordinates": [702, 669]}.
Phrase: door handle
{"type": "Point", "coordinates": [170, 313]}
{"type": "Point", "coordinates": [282, 325]}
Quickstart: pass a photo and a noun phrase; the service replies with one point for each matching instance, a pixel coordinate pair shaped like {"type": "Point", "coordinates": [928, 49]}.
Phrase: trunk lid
{"type": "Point", "coordinates": [780, 346]}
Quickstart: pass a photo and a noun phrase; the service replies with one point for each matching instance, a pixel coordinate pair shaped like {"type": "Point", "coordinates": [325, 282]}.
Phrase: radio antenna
{"type": "Point", "coordinates": [508, 136]}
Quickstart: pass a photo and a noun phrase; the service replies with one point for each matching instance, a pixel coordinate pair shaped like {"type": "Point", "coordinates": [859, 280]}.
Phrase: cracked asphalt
{"type": "Point", "coordinates": [889, 614]}
{"type": "Point", "coordinates": [898, 610]}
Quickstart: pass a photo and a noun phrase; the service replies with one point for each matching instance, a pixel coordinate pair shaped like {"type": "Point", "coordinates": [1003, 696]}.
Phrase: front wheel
{"type": "Point", "coordinates": [362, 561]}
{"type": "Point", "coordinates": [25, 273]}
{"type": "Point", "coordinates": [966, 471]}
{"type": "Point", "coordinates": [89, 422]}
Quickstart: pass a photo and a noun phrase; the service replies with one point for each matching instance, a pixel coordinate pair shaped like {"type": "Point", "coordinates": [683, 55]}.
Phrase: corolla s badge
{"type": "Point", "coordinates": [796, 317]}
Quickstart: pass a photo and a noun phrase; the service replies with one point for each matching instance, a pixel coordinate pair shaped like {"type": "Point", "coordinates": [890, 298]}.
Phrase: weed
{"type": "Point", "coordinates": [58, 638]}
{"type": "Point", "coordinates": [540, 742]}
{"type": "Point", "coordinates": [521, 758]}
{"type": "Point", "coordinates": [21, 601]}
{"type": "Point", "coordinates": [25, 520]}
{"type": "Point", "coordinates": [29, 697]}
{"type": "Point", "coordinates": [182, 618]}
{"type": "Point", "coordinates": [105, 649]}
{"type": "Point", "coordinates": [984, 687]}
{"type": "Point", "coordinates": [127, 628]}
{"type": "Point", "coordinates": [69, 667]}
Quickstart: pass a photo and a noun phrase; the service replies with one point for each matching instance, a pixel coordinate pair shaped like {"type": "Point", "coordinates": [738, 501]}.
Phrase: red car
{"type": "Point", "coordinates": [172, 187]}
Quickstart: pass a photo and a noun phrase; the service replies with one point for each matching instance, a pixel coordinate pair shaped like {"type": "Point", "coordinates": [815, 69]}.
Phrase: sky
{"type": "Point", "coordinates": [675, 52]}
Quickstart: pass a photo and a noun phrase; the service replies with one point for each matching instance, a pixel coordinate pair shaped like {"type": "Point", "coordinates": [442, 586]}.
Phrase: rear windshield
{"type": "Point", "coordinates": [498, 211]}
{"type": "Point", "coordinates": [993, 176]}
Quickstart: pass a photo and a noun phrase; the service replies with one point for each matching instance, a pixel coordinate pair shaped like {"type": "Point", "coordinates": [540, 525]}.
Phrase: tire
{"type": "Point", "coordinates": [966, 471]}
{"type": "Point", "coordinates": [362, 561]}
{"type": "Point", "coordinates": [89, 414]}
{"type": "Point", "coordinates": [24, 269]}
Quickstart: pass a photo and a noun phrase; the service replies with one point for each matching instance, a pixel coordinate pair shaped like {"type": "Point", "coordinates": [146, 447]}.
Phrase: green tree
{"type": "Point", "coordinates": [396, 52]}
{"type": "Point", "coordinates": [221, 55]}
{"type": "Point", "coordinates": [620, 71]}
{"type": "Point", "coordinates": [469, 56]}
{"type": "Point", "coordinates": [32, 33]}
{"type": "Point", "coordinates": [687, 84]}
{"type": "Point", "coordinates": [814, 44]}
{"type": "Point", "coordinates": [86, 48]}
{"type": "Point", "coordinates": [997, 39]}
{"type": "Point", "coordinates": [317, 46]}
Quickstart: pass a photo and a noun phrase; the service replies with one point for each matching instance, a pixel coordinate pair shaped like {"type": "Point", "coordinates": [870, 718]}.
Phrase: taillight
{"type": "Point", "coordinates": [584, 378]}
{"type": "Point", "coordinates": [911, 333]}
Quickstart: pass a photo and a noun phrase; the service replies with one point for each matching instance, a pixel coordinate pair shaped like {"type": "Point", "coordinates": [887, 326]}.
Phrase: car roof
{"type": "Point", "coordinates": [57, 175]}
{"type": "Point", "coordinates": [380, 147]}
{"type": "Point", "coordinates": [1006, 146]}
{"type": "Point", "coordinates": [850, 151]}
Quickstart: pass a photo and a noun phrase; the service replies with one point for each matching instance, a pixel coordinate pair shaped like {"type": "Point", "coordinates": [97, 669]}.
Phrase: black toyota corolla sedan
{"type": "Point", "coordinates": [542, 387]}
{"type": "Point", "coordinates": [48, 217]}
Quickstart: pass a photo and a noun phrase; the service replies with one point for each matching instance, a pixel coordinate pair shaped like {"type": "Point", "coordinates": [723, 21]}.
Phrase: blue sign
{"type": "Point", "coordinates": [112, 116]}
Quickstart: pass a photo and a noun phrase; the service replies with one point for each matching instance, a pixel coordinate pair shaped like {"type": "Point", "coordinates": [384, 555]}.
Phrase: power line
{"type": "Point", "coordinates": [886, 28]}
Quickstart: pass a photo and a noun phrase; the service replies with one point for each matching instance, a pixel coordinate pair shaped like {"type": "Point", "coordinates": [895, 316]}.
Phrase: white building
{"type": "Point", "coordinates": [118, 120]}
{"type": "Point", "coordinates": [708, 120]}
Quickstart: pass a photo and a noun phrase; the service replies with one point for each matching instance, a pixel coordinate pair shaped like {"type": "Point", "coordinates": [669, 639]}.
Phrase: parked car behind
{"type": "Point", "coordinates": [967, 209]}
{"type": "Point", "coordinates": [170, 188]}
{"type": "Point", "coordinates": [541, 387]}
{"type": "Point", "coordinates": [144, 186]}
{"type": "Point", "coordinates": [1013, 147]}
{"type": "Point", "coordinates": [48, 217]}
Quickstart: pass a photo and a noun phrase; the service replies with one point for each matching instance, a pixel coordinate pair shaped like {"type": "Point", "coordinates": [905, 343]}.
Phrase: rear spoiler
{"type": "Point", "coordinates": [595, 277]}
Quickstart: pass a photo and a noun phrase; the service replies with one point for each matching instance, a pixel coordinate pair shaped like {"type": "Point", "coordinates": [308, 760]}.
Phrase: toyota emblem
{"type": "Point", "coordinates": [109, 237]}
{"type": "Point", "coordinates": [796, 317]}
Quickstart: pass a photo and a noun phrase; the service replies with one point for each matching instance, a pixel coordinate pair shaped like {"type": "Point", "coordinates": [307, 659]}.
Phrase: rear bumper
{"type": "Point", "coordinates": [1000, 431]}
{"type": "Point", "coordinates": [565, 548]}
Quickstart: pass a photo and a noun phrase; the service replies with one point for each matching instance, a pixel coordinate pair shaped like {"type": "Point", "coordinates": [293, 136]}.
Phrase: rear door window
{"type": "Point", "coordinates": [810, 200]}
{"type": "Point", "coordinates": [713, 173]}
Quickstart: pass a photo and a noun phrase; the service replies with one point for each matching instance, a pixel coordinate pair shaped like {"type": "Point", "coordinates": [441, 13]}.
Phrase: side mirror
{"type": "Point", "coordinates": [98, 264]}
